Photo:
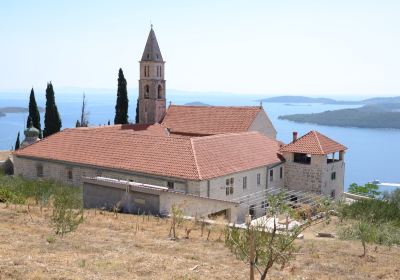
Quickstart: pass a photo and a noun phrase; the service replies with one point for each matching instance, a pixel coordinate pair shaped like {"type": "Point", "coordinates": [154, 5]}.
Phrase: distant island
{"type": "Point", "coordinates": [196, 103]}
{"type": "Point", "coordinates": [12, 110]}
{"type": "Point", "coordinates": [305, 99]}
{"type": "Point", "coordinates": [380, 115]}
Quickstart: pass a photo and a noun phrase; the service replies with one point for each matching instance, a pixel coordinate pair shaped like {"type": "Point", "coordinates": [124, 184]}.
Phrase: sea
{"type": "Point", "coordinates": [373, 154]}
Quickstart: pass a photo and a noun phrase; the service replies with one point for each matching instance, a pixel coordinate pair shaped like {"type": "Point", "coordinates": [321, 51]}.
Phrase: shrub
{"type": "Point", "coordinates": [370, 190]}
{"type": "Point", "coordinates": [375, 211]}
{"type": "Point", "coordinates": [67, 209]}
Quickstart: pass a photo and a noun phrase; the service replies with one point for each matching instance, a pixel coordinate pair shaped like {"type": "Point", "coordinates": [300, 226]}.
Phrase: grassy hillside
{"type": "Point", "coordinates": [106, 246]}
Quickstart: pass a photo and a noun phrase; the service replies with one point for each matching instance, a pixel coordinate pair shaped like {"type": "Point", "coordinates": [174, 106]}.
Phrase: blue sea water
{"type": "Point", "coordinates": [372, 153]}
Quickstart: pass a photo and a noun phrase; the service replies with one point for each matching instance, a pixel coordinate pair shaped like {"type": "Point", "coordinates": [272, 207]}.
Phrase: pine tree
{"type": "Point", "coordinates": [17, 143]}
{"type": "Point", "coordinates": [78, 123]}
{"type": "Point", "coordinates": [121, 108]}
{"type": "Point", "coordinates": [34, 114]}
{"type": "Point", "coordinates": [52, 120]}
{"type": "Point", "coordinates": [137, 112]}
{"type": "Point", "coordinates": [84, 122]}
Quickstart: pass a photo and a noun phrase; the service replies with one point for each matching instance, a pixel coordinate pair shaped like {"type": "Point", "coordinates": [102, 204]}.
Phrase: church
{"type": "Point", "coordinates": [207, 159]}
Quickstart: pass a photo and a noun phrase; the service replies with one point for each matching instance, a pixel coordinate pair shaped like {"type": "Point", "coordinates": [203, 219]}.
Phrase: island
{"type": "Point", "coordinates": [384, 115]}
{"type": "Point", "coordinates": [12, 110]}
{"type": "Point", "coordinates": [196, 103]}
{"type": "Point", "coordinates": [330, 101]}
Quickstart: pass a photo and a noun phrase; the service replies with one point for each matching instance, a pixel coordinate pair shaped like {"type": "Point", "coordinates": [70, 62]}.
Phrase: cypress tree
{"type": "Point", "coordinates": [52, 120]}
{"type": "Point", "coordinates": [121, 108]}
{"type": "Point", "coordinates": [34, 114]}
{"type": "Point", "coordinates": [137, 112]}
{"type": "Point", "coordinates": [17, 143]}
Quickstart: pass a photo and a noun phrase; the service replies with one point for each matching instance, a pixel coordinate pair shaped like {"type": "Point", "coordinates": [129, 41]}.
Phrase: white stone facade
{"type": "Point", "coordinates": [213, 188]}
{"type": "Point", "coordinates": [264, 125]}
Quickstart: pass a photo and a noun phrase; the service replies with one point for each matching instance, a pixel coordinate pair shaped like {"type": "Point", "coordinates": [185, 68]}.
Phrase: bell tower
{"type": "Point", "coordinates": [151, 98]}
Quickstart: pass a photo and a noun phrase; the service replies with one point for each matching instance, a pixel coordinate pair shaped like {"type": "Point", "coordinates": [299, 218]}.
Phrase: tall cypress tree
{"type": "Point", "coordinates": [52, 120]}
{"type": "Point", "coordinates": [34, 114]}
{"type": "Point", "coordinates": [121, 108]}
{"type": "Point", "coordinates": [17, 143]}
{"type": "Point", "coordinates": [137, 112]}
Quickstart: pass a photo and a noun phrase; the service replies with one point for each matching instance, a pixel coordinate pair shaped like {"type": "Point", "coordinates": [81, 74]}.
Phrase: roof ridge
{"type": "Point", "coordinates": [319, 142]}
{"type": "Point", "coordinates": [195, 159]}
{"type": "Point", "coordinates": [220, 135]}
{"type": "Point", "coordinates": [217, 106]}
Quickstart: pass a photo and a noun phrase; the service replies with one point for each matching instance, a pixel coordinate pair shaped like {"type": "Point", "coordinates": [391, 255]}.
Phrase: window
{"type": "Point", "coordinates": [146, 71]}
{"type": "Point", "coordinates": [252, 210]}
{"type": "Point", "coordinates": [245, 182]}
{"type": "Point", "coordinates": [159, 92]}
{"type": "Point", "coordinates": [302, 158]}
{"type": "Point", "coordinates": [229, 190]}
{"type": "Point", "coordinates": [333, 194]}
{"type": "Point", "coordinates": [70, 175]}
{"type": "Point", "coordinates": [333, 176]}
{"type": "Point", "coordinates": [264, 204]}
{"type": "Point", "coordinates": [271, 175]}
{"type": "Point", "coordinates": [281, 173]}
{"type": "Point", "coordinates": [229, 186]}
{"type": "Point", "coordinates": [170, 185]}
{"type": "Point", "coordinates": [146, 91]}
{"type": "Point", "coordinates": [258, 179]}
{"type": "Point", "coordinates": [208, 188]}
{"type": "Point", "coordinates": [39, 170]}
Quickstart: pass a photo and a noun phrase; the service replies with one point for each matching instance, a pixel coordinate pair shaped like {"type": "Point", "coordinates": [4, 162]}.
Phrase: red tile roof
{"type": "Point", "coordinates": [209, 120]}
{"type": "Point", "coordinates": [224, 154]}
{"type": "Point", "coordinates": [178, 157]}
{"type": "Point", "coordinates": [313, 143]}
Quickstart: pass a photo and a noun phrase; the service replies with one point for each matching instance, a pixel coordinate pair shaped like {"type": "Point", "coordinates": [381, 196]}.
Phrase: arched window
{"type": "Point", "coordinates": [146, 91]}
{"type": "Point", "coordinates": [159, 92]}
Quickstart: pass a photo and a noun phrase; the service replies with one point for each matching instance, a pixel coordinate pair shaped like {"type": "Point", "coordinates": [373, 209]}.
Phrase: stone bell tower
{"type": "Point", "coordinates": [151, 84]}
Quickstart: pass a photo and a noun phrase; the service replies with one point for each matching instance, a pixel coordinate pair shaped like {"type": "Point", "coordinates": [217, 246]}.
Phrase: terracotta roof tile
{"type": "Point", "coordinates": [224, 154]}
{"type": "Point", "coordinates": [313, 143]}
{"type": "Point", "coordinates": [178, 157]}
{"type": "Point", "coordinates": [208, 120]}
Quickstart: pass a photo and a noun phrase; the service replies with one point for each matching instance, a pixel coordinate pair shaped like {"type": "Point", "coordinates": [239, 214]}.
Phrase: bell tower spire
{"type": "Point", "coordinates": [151, 84]}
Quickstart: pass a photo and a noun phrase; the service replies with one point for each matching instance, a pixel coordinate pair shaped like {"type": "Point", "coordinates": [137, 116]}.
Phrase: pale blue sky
{"type": "Point", "coordinates": [314, 47]}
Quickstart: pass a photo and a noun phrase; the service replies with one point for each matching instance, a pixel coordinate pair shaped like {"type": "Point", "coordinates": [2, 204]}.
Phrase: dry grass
{"type": "Point", "coordinates": [136, 247]}
{"type": "Point", "coordinates": [4, 155]}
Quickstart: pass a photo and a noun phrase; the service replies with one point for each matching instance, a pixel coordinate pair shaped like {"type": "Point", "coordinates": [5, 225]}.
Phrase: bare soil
{"type": "Point", "coordinates": [106, 246]}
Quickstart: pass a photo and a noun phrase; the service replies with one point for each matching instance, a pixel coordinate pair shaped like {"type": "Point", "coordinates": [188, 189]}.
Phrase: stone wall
{"type": "Point", "coordinates": [59, 171]}
{"type": "Point", "coordinates": [336, 185]}
{"type": "Point", "coordinates": [99, 193]}
{"type": "Point", "coordinates": [199, 206]}
{"type": "Point", "coordinates": [315, 177]}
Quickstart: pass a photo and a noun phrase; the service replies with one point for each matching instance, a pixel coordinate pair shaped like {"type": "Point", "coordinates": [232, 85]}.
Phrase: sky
{"type": "Point", "coordinates": [308, 47]}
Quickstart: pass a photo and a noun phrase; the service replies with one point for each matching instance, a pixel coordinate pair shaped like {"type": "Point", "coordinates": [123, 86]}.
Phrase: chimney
{"type": "Point", "coordinates": [294, 136]}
